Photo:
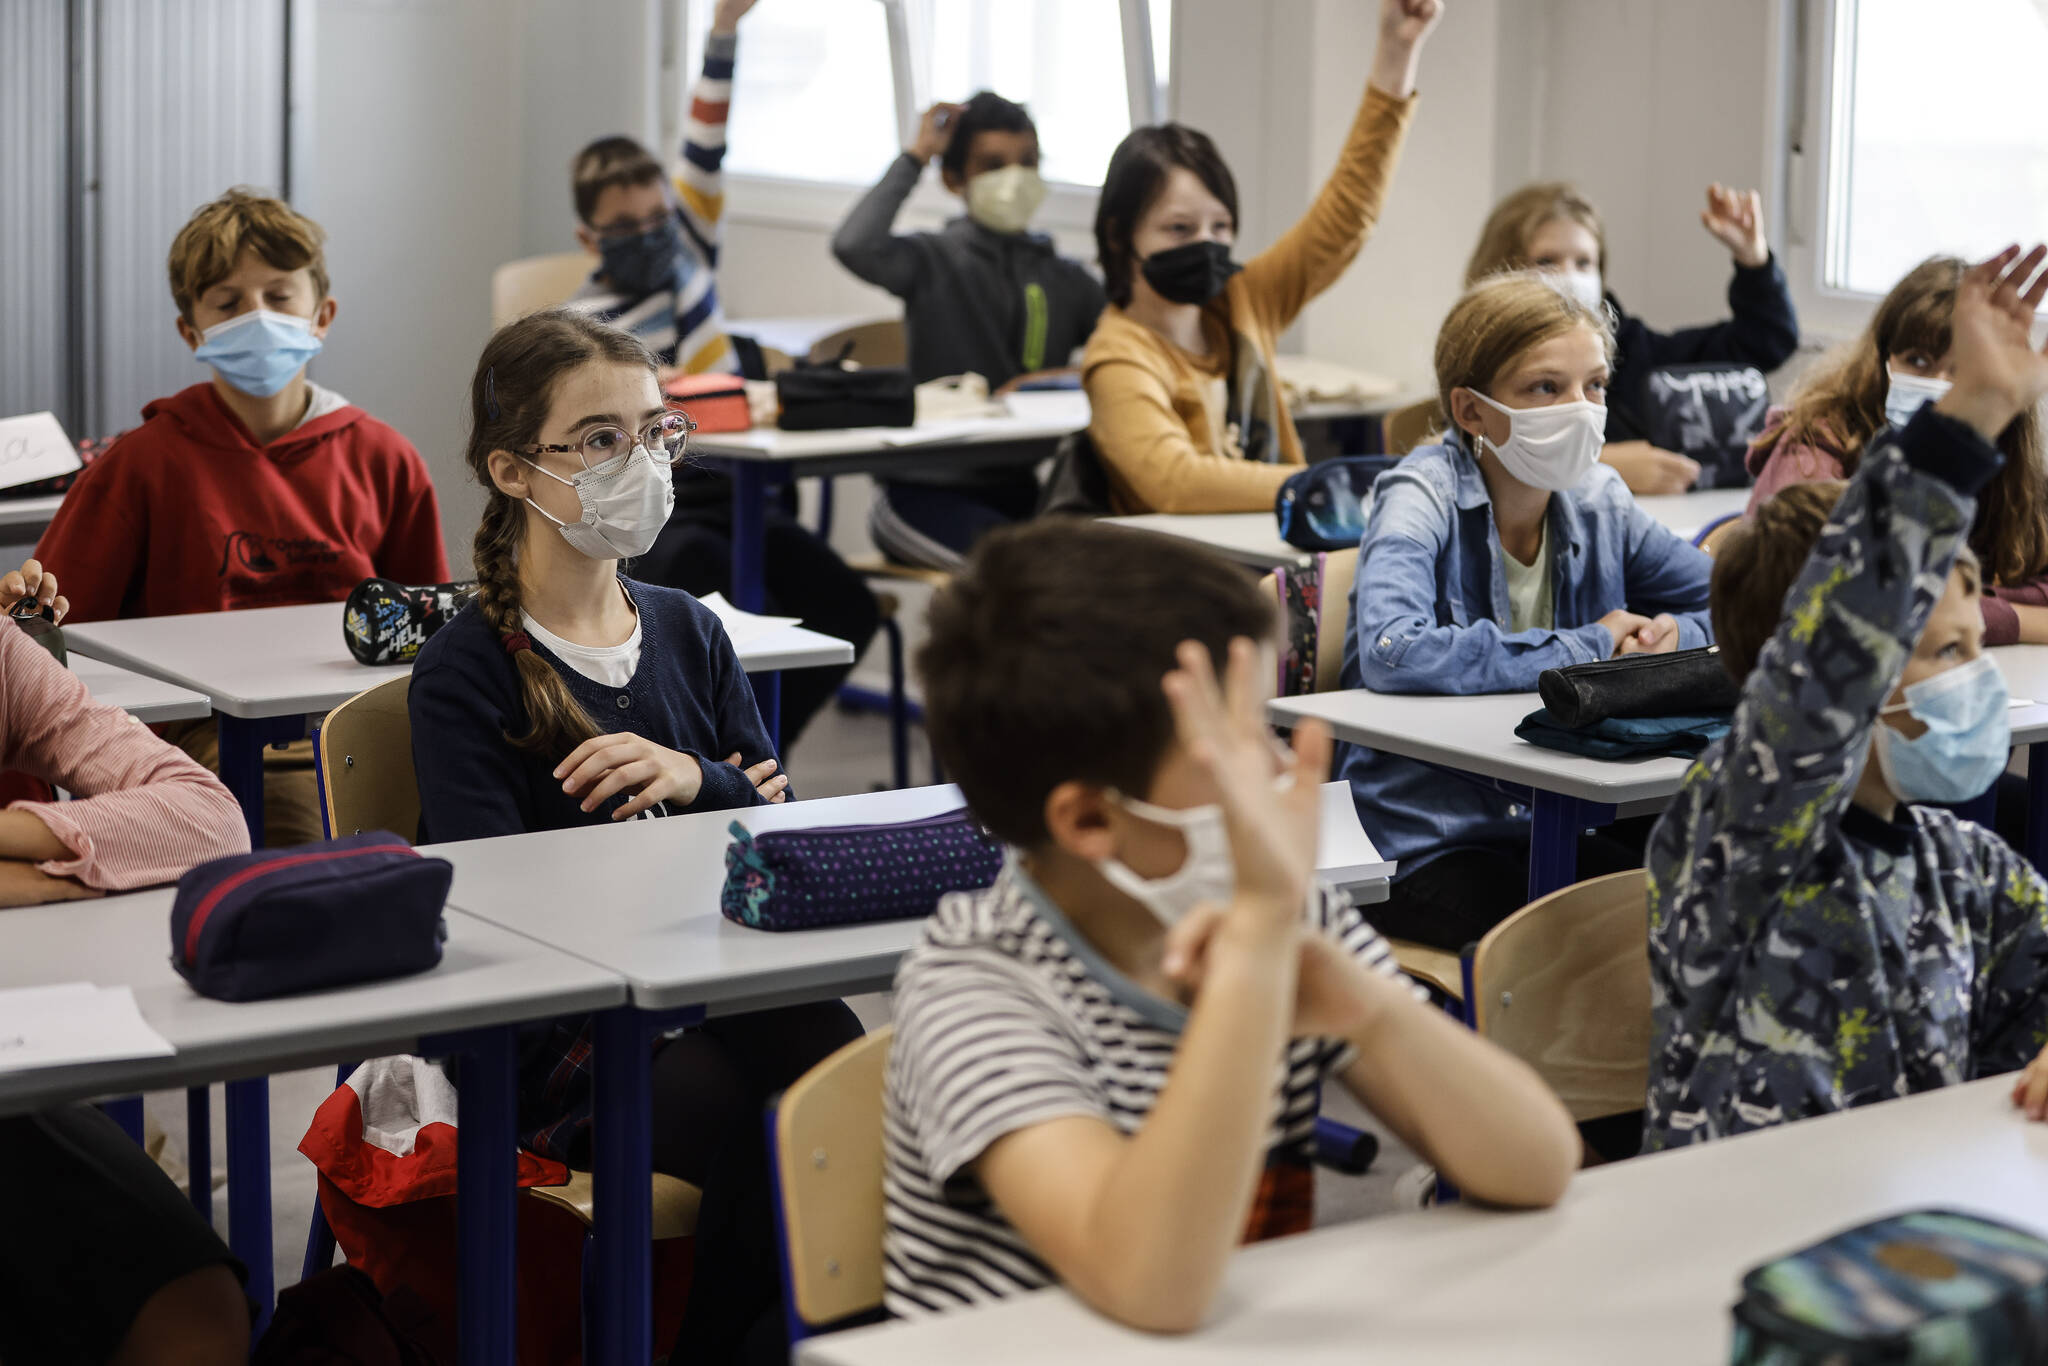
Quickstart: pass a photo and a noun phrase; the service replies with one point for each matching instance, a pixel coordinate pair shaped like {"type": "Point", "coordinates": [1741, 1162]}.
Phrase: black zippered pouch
{"type": "Point", "coordinates": [1682, 683]}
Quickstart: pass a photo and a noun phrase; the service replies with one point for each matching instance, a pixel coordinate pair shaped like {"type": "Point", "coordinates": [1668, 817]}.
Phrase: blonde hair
{"type": "Point", "coordinates": [206, 249]}
{"type": "Point", "coordinates": [1504, 241]}
{"type": "Point", "coordinates": [1499, 319]}
{"type": "Point", "coordinates": [508, 403]}
{"type": "Point", "coordinates": [1838, 405]}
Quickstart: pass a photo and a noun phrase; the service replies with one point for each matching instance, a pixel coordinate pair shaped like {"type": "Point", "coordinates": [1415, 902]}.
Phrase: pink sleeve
{"type": "Point", "coordinates": [2001, 622]}
{"type": "Point", "coordinates": [1793, 462]}
{"type": "Point", "coordinates": [142, 812]}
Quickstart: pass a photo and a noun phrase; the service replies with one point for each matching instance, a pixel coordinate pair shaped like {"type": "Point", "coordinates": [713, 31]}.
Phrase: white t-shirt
{"type": "Point", "coordinates": [613, 666]}
{"type": "Point", "coordinates": [1531, 604]}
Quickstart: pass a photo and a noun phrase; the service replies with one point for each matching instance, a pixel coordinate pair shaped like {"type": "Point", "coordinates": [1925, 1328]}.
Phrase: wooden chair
{"type": "Point", "coordinates": [362, 755]}
{"type": "Point", "coordinates": [825, 1158]}
{"type": "Point", "coordinates": [522, 287]}
{"type": "Point", "coordinates": [1436, 969]}
{"type": "Point", "coordinates": [1564, 984]}
{"type": "Point", "coordinates": [1409, 427]}
{"type": "Point", "coordinates": [883, 342]}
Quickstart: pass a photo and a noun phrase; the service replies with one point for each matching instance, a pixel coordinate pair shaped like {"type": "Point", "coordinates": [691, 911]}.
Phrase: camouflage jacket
{"type": "Point", "coordinates": [1806, 956]}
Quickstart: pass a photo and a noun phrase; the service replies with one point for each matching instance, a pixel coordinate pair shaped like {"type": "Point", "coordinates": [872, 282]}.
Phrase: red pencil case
{"type": "Point", "coordinates": [716, 403]}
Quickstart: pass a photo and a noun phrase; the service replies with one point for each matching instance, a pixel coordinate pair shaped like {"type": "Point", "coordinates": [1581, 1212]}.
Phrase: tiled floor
{"type": "Point", "coordinates": [839, 754]}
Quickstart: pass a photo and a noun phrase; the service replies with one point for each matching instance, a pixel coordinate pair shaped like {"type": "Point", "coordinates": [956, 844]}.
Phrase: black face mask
{"type": "Point", "coordinates": [1193, 274]}
{"type": "Point", "coordinates": [644, 262]}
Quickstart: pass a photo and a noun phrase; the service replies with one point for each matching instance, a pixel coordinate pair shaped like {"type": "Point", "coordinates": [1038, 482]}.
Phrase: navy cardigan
{"type": "Point", "coordinates": [1762, 330]}
{"type": "Point", "coordinates": [688, 694]}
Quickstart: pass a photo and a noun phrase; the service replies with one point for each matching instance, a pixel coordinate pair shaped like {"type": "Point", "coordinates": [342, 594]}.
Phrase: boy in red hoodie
{"type": "Point", "coordinates": [257, 488]}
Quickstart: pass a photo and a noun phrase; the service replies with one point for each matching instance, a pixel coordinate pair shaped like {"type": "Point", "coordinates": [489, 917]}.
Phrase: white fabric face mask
{"type": "Point", "coordinates": [626, 503]}
{"type": "Point", "coordinates": [1549, 448]}
{"type": "Point", "coordinates": [1585, 286]}
{"type": "Point", "coordinates": [1207, 876]}
{"type": "Point", "coordinates": [1904, 395]}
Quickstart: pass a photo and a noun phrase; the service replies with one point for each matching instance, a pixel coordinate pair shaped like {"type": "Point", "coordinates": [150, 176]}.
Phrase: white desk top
{"type": "Point", "coordinates": [780, 447]}
{"type": "Point", "coordinates": [288, 661]}
{"type": "Point", "coordinates": [1639, 1262]}
{"type": "Point", "coordinates": [642, 899]}
{"type": "Point", "coordinates": [1688, 513]}
{"type": "Point", "coordinates": [28, 514]}
{"type": "Point", "coordinates": [486, 976]}
{"type": "Point", "coordinates": [146, 699]}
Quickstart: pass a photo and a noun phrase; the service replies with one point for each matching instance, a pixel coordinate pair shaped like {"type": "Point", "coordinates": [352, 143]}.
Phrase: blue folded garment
{"type": "Point", "coordinates": [1634, 737]}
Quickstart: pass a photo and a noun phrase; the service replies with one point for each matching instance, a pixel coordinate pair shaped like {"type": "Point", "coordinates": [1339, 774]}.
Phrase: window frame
{"type": "Point", "coordinates": [789, 201]}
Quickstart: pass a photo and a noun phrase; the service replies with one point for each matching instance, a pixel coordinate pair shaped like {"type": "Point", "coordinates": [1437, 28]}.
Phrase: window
{"type": "Point", "coordinates": [828, 90]}
{"type": "Point", "coordinates": [1935, 141]}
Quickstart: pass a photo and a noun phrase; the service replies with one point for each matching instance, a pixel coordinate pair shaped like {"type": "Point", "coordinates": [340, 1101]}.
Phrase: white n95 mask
{"type": "Point", "coordinates": [1207, 876]}
{"type": "Point", "coordinates": [626, 503]}
{"type": "Point", "coordinates": [1549, 448]}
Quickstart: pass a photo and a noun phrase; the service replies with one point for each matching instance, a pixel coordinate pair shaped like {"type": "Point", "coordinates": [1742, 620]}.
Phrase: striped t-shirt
{"type": "Point", "coordinates": [1007, 1017]}
{"type": "Point", "coordinates": [683, 325]}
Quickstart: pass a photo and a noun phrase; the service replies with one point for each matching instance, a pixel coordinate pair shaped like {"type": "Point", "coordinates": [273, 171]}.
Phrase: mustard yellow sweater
{"type": "Point", "coordinates": [1164, 448]}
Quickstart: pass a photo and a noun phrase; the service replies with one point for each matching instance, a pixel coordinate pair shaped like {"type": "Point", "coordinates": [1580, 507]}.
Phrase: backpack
{"type": "Point", "coordinates": [337, 1318]}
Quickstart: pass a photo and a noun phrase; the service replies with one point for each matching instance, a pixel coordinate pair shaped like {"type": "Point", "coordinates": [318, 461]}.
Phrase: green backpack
{"type": "Point", "coordinates": [1926, 1287]}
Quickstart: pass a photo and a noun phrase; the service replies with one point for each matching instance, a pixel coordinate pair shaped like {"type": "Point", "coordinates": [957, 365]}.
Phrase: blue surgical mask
{"type": "Point", "coordinates": [259, 352]}
{"type": "Point", "coordinates": [1969, 736]}
{"type": "Point", "coordinates": [1904, 395]}
{"type": "Point", "coordinates": [644, 262]}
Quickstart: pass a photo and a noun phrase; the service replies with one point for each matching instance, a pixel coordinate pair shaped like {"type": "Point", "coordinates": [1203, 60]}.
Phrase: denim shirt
{"type": "Point", "coordinates": [1429, 610]}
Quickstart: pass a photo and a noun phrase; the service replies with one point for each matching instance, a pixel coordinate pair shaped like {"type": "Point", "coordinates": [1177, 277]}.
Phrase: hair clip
{"type": "Point", "coordinates": [491, 393]}
{"type": "Point", "coordinates": [517, 641]}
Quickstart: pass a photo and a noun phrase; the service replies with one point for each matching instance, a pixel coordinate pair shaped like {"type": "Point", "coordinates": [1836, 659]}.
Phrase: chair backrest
{"type": "Point", "coordinates": [825, 1150]}
{"type": "Point", "coordinates": [365, 760]}
{"type": "Point", "coordinates": [1338, 569]}
{"type": "Point", "coordinates": [1564, 985]}
{"type": "Point", "coordinates": [522, 287]}
{"type": "Point", "coordinates": [882, 342]}
{"type": "Point", "coordinates": [1406, 428]}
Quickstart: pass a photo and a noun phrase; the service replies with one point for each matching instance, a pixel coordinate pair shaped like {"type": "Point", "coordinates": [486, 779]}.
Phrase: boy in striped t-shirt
{"type": "Point", "coordinates": [658, 259]}
{"type": "Point", "coordinates": [1083, 1087]}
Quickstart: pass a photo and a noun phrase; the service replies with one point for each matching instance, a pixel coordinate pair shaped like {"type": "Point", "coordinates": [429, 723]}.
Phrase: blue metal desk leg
{"type": "Point", "coordinates": [622, 1170]}
{"type": "Point", "coordinates": [126, 1112]}
{"type": "Point", "coordinates": [750, 491]}
{"type": "Point", "coordinates": [2037, 806]}
{"type": "Point", "coordinates": [249, 1190]}
{"type": "Point", "coordinates": [768, 701]}
{"type": "Point", "coordinates": [241, 768]}
{"type": "Point", "coordinates": [199, 1150]}
{"type": "Point", "coordinates": [1554, 839]}
{"type": "Point", "coordinates": [486, 1193]}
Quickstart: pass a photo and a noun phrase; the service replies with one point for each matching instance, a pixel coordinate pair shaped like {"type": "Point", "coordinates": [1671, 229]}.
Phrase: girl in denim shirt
{"type": "Point", "coordinates": [1505, 550]}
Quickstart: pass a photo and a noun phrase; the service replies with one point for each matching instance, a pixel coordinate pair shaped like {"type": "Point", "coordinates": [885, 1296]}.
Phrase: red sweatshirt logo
{"type": "Point", "coordinates": [246, 550]}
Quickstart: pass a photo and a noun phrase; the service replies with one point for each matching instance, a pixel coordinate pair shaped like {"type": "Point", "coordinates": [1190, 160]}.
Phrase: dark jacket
{"type": "Point", "coordinates": [1763, 331]}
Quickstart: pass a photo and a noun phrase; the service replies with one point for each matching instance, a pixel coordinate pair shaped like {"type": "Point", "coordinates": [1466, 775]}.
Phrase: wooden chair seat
{"type": "Point", "coordinates": [1437, 969]}
{"type": "Point", "coordinates": [875, 567]}
{"type": "Point", "coordinates": [676, 1203]}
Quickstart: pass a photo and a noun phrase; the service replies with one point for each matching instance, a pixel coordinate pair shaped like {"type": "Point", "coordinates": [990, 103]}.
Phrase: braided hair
{"type": "Point", "coordinates": [508, 401]}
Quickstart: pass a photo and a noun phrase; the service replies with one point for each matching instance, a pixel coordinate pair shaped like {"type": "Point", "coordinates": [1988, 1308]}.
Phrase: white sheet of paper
{"type": "Point", "coordinates": [34, 447]}
{"type": "Point", "coordinates": [72, 1023]}
{"type": "Point", "coordinates": [744, 627]}
{"type": "Point", "coordinates": [936, 433]}
{"type": "Point", "coordinates": [1345, 853]}
{"type": "Point", "coordinates": [1054, 407]}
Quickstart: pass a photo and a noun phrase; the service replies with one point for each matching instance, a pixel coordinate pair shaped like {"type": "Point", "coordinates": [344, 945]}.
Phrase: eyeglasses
{"type": "Point", "coordinates": [627, 229]}
{"type": "Point", "coordinates": [667, 439]}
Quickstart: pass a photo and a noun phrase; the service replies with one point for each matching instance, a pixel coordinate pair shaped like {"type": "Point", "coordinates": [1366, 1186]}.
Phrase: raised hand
{"type": "Point", "coordinates": [934, 131]}
{"type": "Point", "coordinates": [1404, 25]}
{"type": "Point", "coordinates": [1736, 220]}
{"type": "Point", "coordinates": [1998, 373]}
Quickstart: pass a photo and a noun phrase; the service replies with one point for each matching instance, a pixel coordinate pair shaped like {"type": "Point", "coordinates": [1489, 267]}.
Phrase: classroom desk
{"type": "Point", "coordinates": [1253, 538]}
{"type": "Point", "coordinates": [147, 699]}
{"type": "Point", "coordinates": [644, 898]}
{"type": "Point", "coordinates": [489, 980]}
{"type": "Point", "coordinates": [28, 515]}
{"type": "Point", "coordinates": [268, 669]}
{"type": "Point", "coordinates": [1570, 792]}
{"type": "Point", "coordinates": [1639, 1262]}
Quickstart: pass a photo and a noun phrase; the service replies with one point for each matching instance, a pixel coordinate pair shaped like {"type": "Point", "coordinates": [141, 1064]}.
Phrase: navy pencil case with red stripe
{"type": "Point", "coordinates": [281, 921]}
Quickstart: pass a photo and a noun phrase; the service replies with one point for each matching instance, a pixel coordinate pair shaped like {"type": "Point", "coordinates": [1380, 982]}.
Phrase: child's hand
{"type": "Point", "coordinates": [1223, 729]}
{"type": "Point", "coordinates": [1404, 24]}
{"type": "Point", "coordinates": [1623, 624]}
{"type": "Point", "coordinates": [1659, 637]}
{"type": "Point", "coordinates": [1998, 373]}
{"type": "Point", "coordinates": [610, 764]}
{"type": "Point", "coordinates": [1335, 995]}
{"type": "Point", "coordinates": [1736, 220]}
{"type": "Point", "coordinates": [2030, 1088]}
{"type": "Point", "coordinates": [32, 581]}
{"type": "Point", "coordinates": [934, 132]}
{"type": "Point", "coordinates": [1650, 471]}
{"type": "Point", "coordinates": [771, 788]}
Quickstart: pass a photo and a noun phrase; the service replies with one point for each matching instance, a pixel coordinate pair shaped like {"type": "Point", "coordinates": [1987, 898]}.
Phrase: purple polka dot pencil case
{"type": "Point", "coordinates": [853, 874]}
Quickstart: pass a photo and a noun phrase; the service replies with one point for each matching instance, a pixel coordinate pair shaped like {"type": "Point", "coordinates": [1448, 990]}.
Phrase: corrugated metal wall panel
{"type": "Point", "coordinates": [35, 329]}
{"type": "Point", "coordinates": [191, 101]}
